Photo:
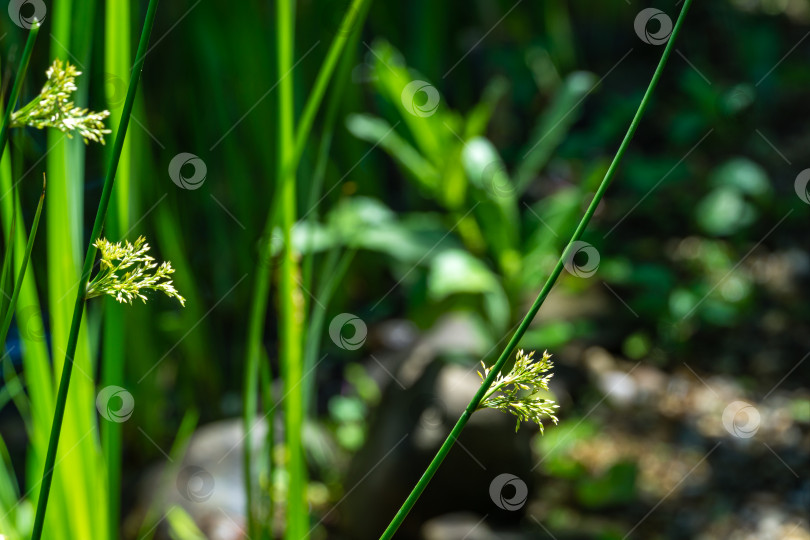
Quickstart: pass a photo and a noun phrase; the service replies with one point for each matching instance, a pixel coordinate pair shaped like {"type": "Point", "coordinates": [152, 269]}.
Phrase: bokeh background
{"type": "Point", "coordinates": [693, 296]}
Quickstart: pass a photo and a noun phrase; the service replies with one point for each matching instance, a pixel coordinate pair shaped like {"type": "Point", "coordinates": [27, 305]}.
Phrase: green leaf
{"type": "Point", "coordinates": [456, 271]}
{"type": "Point", "coordinates": [181, 526]}
{"type": "Point", "coordinates": [379, 132]}
{"type": "Point", "coordinates": [743, 174]}
{"type": "Point", "coordinates": [725, 211]}
{"type": "Point", "coordinates": [366, 223]}
{"type": "Point", "coordinates": [554, 125]}
{"type": "Point", "coordinates": [497, 209]}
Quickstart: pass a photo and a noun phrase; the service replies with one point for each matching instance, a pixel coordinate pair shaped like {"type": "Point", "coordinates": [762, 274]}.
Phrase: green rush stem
{"type": "Point", "coordinates": [18, 82]}
{"type": "Point", "coordinates": [524, 325]}
{"type": "Point", "coordinates": [18, 286]}
{"type": "Point", "coordinates": [290, 296]}
{"type": "Point", "coordinates": [261, 282]}
{"type": "Point", "coordinates": [355, 15]}
{"type": "Point", "coordinates": [78, 309]}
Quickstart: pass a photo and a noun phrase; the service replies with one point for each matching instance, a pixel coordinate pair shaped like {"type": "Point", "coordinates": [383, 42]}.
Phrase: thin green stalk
{"type": "Point", "coordinates": [268, 407]}
{"type": "Point", "coordinates": [291, 298]}
{"type": "Point", "coordinates": [18, 286]}
{"type": "Point", "coordinates": [15, 89]}
{"type": "Point", "coordinates": [4, 277]}
{"type": "Point", "coordinates": [78, 310]}
{"type": "Point", "coordinates": [352, 19]}
{"type": "Point", "coordinates": [329, 277]}
{"type": "Point", "coordinates": [261, 285]}
{"type": "Point", "coordinates": [524, 325]}
{"type": "Point", "coordinates": [334, 271]}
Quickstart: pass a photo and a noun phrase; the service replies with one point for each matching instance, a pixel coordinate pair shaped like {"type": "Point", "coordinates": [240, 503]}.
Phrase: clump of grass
{"type": "Point", "coordinates": [54, 108]}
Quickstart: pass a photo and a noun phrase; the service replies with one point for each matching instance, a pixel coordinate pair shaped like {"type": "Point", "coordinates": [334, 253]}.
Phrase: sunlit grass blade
{"type": "Point", "coordinates": [291, 302]}
{"type": "Point", "coordinates": [117, 55]}
{"type": "Point", "coordinates": [79, 479]}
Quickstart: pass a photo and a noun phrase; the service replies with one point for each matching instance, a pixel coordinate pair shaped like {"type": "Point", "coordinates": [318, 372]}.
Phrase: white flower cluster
{"type": "Point", "coordinates": [126, 270]}
{"type": "Point", "coordinates": [54, 108]}
{"type": "Point", "coordinates": [517, 392]}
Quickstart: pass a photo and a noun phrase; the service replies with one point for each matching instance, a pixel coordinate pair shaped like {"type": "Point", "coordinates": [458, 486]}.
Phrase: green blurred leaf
{"type": "Point", "coordinates": [181, 526]}
{"type": "Point", "coordinates": [616, 486]}
{"type": "Point", "coordinates": [554, 125]}
{"type": "Point", "coordinates": [379, 132]}
{"type": "Point", "coordinates": [743, 174]}
{"type": "Point", "coordinates": [455, 271]}
{"type": "Point", "coordinates": [724, 211]}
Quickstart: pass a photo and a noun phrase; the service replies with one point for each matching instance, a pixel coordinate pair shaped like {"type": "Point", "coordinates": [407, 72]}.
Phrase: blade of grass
{"type": "Point", "coordinates": [5, 277]}
{"type": "Point", "coordinates": [291, 144]}
{"type": "Point", "coordinates": [290, 320]}
{"type": "Point", "coordinates": [117, 56]}
{"type": "Point", "coordinates": [87, 268]}
{"type": "Point", "coordinates": [314, 327]}
{"type": "Point", "coordinates": [21, 274]}
{"type": "Point", "coordinates": [4, 131]}
{"type": "Point", "coordinates": [18, 81]}
{"type": "Point", "coordinates": [334, 271]}
{"type": "Point", "coordinates": [35, 356]}
{"type": "Point", "coordinates": [524, 325]}
{"type": "Point", "coordinates": [78, 485]}
{"type": "Point", "coordinates": [353, 18]}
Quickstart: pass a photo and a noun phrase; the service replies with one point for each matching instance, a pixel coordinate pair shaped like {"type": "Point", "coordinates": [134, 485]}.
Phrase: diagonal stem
{"type": "Point", "coordinates": [78, 309]}
{"type": "Point", "coordinates": [524, 325]}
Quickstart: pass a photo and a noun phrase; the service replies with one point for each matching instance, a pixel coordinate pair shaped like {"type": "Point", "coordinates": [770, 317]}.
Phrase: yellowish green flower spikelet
{"type": "Point", "coordinates": [517, 392]}
{"type": "Point", "coordinates": [53, 107]}
{"type": "Point", "coordinates": [126, 271]}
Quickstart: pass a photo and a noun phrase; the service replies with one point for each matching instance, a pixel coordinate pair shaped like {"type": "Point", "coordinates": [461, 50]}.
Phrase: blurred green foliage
{"type": "Point", "coordinates": [703, 242]}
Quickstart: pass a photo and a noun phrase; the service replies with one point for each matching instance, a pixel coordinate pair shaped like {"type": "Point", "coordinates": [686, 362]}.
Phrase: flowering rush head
{"type": "Point", "coordinates": [518, 392]}
{"type": "Point", "coordinates": [54, 108]}
{"type": "Point", "coordinates": [126, 272]}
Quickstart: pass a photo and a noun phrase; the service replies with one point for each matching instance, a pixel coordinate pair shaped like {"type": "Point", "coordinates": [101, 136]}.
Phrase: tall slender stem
{"type": "Point", "coordinates": [78, 309]}
{"type": "Point", "coordinates": [524, 325]}
{"type": "Point", "coordinates": [23, 266]}
{"type": "Point", "coordinates": [291, 299]}
{"type": "Point", "coordinates": [18, 82]}
{"type": "Point", "coordinates": [261, 283]}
